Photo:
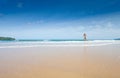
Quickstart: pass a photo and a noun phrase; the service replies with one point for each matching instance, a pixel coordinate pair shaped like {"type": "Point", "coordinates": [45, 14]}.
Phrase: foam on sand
{"type": "Point", "coordinates": [60, 60]}
{"type": "Point", "coordinates": [59, 43]}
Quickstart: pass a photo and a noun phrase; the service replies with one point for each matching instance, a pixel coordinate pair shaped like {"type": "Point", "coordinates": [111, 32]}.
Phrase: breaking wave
{"type": "Point", "coordinates": [22, 44]}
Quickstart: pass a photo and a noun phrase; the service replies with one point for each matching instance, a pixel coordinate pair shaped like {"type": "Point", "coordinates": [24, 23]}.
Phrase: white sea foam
{"type": "Point", "coordinates": [104, 40]}
{"type": "Point", "coordinates": [57, 43]}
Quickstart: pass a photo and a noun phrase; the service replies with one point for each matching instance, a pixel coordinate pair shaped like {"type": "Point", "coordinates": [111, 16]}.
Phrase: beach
{"type": "Point", "coordinates": [68, 60]}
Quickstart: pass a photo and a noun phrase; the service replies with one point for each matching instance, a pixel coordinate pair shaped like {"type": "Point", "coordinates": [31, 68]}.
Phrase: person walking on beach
{"type": "Point", "coordinates": [85, 36]}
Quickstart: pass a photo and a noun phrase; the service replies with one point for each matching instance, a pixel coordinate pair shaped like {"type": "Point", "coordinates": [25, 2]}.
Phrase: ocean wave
{"type": "Point", "coordinates": [53, 44]}
{"type": "Point", "coordinates": [104, 40]}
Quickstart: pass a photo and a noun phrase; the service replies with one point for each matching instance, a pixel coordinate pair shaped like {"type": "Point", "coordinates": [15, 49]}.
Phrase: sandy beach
{"type": "Point", "coordinates": [59, 38]}
{"type": "Point", "coordinates": [61, 62]}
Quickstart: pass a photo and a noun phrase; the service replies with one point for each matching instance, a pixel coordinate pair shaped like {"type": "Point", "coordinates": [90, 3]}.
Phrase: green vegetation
{"type": "Point", "coordinates": [6, 38]}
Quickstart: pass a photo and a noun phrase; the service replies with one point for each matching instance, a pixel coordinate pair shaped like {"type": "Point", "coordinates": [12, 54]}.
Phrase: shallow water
{"type": "Point", "coordinates": [21, 44]}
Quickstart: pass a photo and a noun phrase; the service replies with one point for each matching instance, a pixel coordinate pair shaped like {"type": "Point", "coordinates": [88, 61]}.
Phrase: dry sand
{"type": "Point", "coordinates": [61, 62]}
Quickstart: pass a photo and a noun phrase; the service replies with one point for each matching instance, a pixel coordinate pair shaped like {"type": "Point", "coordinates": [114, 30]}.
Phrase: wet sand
{"type": "Point", "coordinates": [61, 62]}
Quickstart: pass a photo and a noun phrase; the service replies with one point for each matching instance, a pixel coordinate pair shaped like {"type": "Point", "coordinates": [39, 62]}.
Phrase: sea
{"type": "Point", "coordinates": [55, 42]}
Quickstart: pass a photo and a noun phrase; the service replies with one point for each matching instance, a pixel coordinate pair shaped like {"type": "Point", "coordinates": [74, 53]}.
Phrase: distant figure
{"type": "Point", "coordinates": [85, 36]}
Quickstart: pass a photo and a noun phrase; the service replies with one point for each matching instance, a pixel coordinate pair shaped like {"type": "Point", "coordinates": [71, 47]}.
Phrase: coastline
{"type": "Point", "coordinates": [29, 44]}
{"type": "Point", "coordinates": [60, 62]}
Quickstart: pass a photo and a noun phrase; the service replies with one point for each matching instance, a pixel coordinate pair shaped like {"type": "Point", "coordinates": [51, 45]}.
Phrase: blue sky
{"type": "Point", "coordinates": [60, 19]}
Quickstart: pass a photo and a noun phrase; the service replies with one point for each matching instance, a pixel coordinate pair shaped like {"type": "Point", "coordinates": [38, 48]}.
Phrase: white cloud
{"type": "Point", "coordinates": [1, 14]}
{"type": "Point", "coordinates": [39, 21]}
{"type": "Point", "coordinates": [20, 5]}
{"type": "Point", "coordinates": [36, 22]}
{"type": "Point", "coordinates": [103, 27]}
{"type": "Point", "coordinates": [29, 23]}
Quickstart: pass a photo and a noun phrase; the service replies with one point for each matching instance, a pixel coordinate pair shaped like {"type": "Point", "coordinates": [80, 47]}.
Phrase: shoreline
{"type": "Point", "coordinates": [61, 62]}
{"type": "Point", "coordinates": [58, 44]}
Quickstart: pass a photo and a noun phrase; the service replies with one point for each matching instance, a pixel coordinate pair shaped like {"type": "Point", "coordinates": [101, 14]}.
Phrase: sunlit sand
{"type": "Point", "coordinates": [61, 62]}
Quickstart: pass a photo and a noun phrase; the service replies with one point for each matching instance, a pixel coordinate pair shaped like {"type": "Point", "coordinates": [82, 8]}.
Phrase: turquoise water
{"type": "Point", "coordinates": [41, 40]}
{"type": "Point", "coordinates": [52, 40]}
{"type": "Point", "coordinates": [55, 42]}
